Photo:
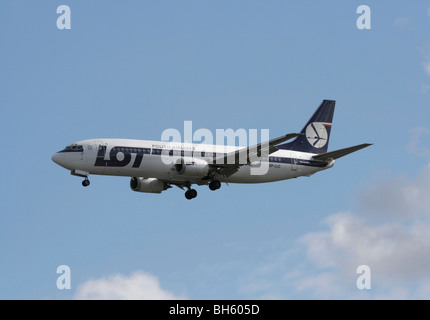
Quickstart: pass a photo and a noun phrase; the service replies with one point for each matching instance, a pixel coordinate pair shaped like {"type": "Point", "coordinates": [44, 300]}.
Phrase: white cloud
{"type": "Point", "coordinates": [396, 247]}
{"type": "Point", "coordinates": [389, 231]}
{"type": "Point", "coordinates": [398, 198]}
{"type": "Point", "coordinates": [426, 66]}
{"type": "Point", "coordinates": [138, 286]}
{"type": "Point", "coordinates": [418, 143]}
{"type": "Point", "coordinates": [323, 285]}
{"type": "Point", "coordinates": [393, 251]}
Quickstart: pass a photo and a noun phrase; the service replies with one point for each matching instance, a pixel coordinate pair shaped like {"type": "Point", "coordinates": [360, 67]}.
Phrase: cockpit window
{"type": "Point", "coordinates": [73, 148]}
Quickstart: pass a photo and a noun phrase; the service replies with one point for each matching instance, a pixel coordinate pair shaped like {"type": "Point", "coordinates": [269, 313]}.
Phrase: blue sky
{"type": "Point", "coordinates": [132, 69]}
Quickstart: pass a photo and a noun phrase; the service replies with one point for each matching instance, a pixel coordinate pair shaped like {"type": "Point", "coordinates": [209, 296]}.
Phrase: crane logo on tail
{"type": "Point", "coordinates": [316, 133]}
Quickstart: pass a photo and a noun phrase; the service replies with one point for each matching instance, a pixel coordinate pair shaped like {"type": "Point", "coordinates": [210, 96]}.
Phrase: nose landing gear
{"type": "Point", "coordinates": [86, 182]}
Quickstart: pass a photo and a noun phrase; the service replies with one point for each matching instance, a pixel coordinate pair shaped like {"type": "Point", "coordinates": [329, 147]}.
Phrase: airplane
{"type": "Point", "coordinates": [204, 164]}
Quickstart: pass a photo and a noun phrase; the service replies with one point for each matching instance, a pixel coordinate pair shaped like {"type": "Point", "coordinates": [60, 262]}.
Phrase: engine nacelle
{"type": "Point", "coordinates": [191, 167]}
{"type": "Point", "coordinates": [150, 185]}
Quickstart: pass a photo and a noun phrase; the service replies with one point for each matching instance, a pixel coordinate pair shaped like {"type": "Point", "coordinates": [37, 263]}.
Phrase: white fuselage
{"type": "Point", "coordinates": [142, 158]}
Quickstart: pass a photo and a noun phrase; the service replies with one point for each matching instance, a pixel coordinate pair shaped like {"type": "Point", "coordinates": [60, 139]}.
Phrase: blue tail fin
{"type": "Point", "coordinates": [316, 132]}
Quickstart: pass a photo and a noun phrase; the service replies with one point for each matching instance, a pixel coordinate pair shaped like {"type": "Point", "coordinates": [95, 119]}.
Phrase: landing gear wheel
{"type": "Point", "coordinates": [214, 185]}
{"type": "Point", "coordinates": [190, 194]}
{"type": "Point", "coordinates": [86, 183]}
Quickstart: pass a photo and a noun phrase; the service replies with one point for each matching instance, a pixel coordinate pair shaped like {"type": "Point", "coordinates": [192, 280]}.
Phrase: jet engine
{"type": "Point", "coordinates": [150, 185]}
{"type": "Point", "coordinates": [191, 167]}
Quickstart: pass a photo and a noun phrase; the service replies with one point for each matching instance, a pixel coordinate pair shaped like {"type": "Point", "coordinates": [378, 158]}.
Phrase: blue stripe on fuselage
{"type": "Point", "coordinates": [68, 150]}
{"type": "Point", "coordinates": [181, 153]}
{"type": "Point", "coordinates": [299, 162]}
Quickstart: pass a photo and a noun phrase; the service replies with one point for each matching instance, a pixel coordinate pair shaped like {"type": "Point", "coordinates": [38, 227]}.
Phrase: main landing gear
{"type": "Point", "coordinates": [190, 194]}
{"type": "Point", "coordinates": [86, 182]}
{"type": "Point", "coordinates": [214, 185]}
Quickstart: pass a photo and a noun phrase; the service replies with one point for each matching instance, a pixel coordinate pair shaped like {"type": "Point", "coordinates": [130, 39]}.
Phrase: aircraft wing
{"type": "Point", "coordinates": [231, 162]}
{"type": "Point", "coordinates": [333, 155]}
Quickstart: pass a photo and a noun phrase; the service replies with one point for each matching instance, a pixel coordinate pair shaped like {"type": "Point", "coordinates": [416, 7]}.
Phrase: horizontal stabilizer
{"type": "Point", "coordinates": [333, 155]}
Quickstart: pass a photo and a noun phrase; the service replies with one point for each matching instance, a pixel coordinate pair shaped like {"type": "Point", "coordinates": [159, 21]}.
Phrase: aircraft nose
{"type": "Point", "coordinates": [56, 158]}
